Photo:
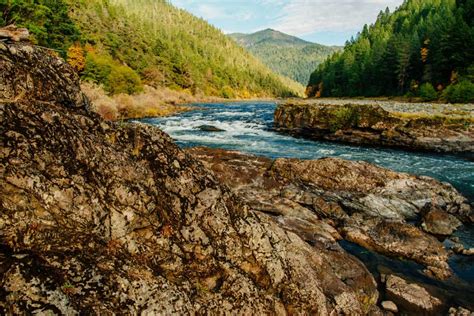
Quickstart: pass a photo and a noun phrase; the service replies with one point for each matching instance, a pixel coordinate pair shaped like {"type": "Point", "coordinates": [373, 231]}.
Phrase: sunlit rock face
{"type": "Point", "coordinates": [329, 199]}
{"type": "Point", "coordinates": [373, 123]}
{"type": "Point", "coordinates": [98, 218]}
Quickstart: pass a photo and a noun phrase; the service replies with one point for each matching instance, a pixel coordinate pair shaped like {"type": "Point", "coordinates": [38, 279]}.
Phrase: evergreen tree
{"type": "Point", "coordinates": [423, 41]}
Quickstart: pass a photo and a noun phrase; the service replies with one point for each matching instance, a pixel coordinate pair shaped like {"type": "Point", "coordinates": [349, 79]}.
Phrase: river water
{"type": "Point", "coordinates": [248, 127]}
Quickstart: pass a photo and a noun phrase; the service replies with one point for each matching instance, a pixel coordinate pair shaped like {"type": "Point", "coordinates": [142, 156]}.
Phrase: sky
{"type": "Point", "coordinates": [321, 21]}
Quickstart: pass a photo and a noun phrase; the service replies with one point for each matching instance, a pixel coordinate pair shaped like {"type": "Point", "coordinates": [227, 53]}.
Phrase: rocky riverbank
{"type": "Point", "coordinates": [327, 200]}
{"type": "Point", "coordinates": [103, 218]}
{"type": "Point", "coordinates": [99, 217]}
{"type": "Point", "coordinates": [424, 127]}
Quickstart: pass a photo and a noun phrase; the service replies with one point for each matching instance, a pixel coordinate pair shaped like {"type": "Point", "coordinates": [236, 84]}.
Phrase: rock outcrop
{"type": "Point", "coordinates": [102, 218]}
{"type": "Point", "coordinates": [372, 125]}
{"type": "Point", "coordinates": [12, 33]}
{"type": "Point", "coordinates": [328, 199]}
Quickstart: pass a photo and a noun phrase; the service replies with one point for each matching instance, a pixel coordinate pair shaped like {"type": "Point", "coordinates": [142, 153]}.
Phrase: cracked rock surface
{"type": "Point", "coordinates": [329, 199]}
{"type": "Point", "coordinates": [102, 218]}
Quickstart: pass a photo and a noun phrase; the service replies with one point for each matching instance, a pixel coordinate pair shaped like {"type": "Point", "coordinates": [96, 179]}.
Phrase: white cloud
{"type": "Point", "coordinates": [301, 17]}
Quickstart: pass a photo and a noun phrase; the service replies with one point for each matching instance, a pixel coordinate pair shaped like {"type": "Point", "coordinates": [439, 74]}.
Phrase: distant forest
{"type": "Point", "coordinates": [424, 49]}
{"type": "Point", "coordinates": [287, 55]}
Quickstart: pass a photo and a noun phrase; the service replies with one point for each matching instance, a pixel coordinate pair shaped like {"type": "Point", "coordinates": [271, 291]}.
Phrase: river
{"type": "Point", "coordinates": [248, 128]}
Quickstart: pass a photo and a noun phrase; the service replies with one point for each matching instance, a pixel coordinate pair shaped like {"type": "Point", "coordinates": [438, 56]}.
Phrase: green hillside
{"type": "Point", "coordinates": [425, 48]}
{"type": "Point", "coordinates": [123, 44]}
{"type": "Point", "coordinates": [285, 54]}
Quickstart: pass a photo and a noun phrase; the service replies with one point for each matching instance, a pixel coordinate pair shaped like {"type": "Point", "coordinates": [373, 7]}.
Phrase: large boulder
{"type": "Point", "coordinates": [104, 218]}
{"type": "Point", "coordinates": [412, 297]}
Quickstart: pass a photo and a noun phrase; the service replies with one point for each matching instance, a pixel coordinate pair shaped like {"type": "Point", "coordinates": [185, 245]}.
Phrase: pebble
{"type": "Point", "coordinates": [390, 306]}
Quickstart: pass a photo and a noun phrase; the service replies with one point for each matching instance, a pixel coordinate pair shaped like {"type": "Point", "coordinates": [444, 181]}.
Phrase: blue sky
{"type": "Point", "coordinates": [323, 21]}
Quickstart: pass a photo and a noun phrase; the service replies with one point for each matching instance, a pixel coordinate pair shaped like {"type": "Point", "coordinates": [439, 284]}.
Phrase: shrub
{"type": "Point", "coordinates": [343, 117]}
{"type": "Point", "coordinates": [123, 79]}
{"type": "Point", "coordinates": [462, 92]}
{"type": "Point", "coordinates": [427, 92]}
{"type": "Point", "coordinates": [116, 78]}
{"type": "Point", "coordinates": [227, 92]}
{"type": "Point", "coordinates": [75, 57]}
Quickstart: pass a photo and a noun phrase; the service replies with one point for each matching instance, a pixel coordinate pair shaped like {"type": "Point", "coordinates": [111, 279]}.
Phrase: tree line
{"type": "Point", "coordinates": [124, 44]}
{"type": "Point", "coordinates": [424, 49]}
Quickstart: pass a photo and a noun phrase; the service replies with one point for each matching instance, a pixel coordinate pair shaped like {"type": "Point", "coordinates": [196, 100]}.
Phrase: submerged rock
{"type": "Point", "coordinates": [370, 124]}
{"type": "Point", "coordinates": [210, 128]}
{"type": "Point", "coordinates": [103, 218]}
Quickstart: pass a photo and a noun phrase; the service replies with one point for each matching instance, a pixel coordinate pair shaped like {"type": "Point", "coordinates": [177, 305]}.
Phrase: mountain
{"type": "Point", "coordinates": [287, 55]}
{"type": "Point", "coordinates": [123, 44]}
{"type": "Point", "coordinates": [424, 48]}
{"type": "Point", "coordinates": [268, 36]}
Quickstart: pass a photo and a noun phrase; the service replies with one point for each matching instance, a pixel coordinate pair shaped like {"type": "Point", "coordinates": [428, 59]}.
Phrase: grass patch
{"type": "Point", "coordinates": [152, 102]}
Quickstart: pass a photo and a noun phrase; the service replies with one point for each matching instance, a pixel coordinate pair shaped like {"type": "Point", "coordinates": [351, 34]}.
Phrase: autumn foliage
{"type": "Point", "coordinates": [76, 58]}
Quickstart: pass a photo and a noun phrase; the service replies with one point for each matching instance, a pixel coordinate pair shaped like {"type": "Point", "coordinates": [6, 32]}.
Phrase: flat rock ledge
{"type": "Point", "coordinates": [380, 124]}
{"type": "Point", "coordinates": [414, 298]}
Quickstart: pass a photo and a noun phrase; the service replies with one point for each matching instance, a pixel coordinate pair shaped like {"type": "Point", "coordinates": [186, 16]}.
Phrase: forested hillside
{"type": "Point", "coordinates": [287, 55]}
{"type": "Point", "coordinates": [425, 48]}
{"type": "Point", "coordinates": [123, 44]}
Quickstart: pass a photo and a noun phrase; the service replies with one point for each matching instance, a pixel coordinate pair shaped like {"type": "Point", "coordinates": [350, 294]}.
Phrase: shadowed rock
{"type": "Point", "coordinates": [210, 128]}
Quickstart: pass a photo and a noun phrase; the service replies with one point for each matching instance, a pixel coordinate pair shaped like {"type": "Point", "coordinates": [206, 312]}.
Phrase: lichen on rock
{"type": "Point", "coordinates": [99, 217]}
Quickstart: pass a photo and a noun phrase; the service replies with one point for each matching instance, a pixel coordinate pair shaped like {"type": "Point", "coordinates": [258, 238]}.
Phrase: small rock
{"type": "Point", "coordinates": [439, 222]}
{"type": "Point", "coordinates": [459, 312]}
{"type": "Point", "coordinates": [458, 248]}
{"type": "Point", "coordinates": [390, 306]}
{"type": "Point", "coordinates": [410, 296]}
{"type": "Point", "coordinates": [468, 252]}
{"type": "Point", "coordinates": [210, 128]}
{"type": "Point", "coordinates": [454, 239]}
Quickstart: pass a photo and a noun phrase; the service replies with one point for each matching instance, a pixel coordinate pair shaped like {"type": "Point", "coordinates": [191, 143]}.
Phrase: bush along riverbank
{"type": "Point", "coordinates": [424, 127]}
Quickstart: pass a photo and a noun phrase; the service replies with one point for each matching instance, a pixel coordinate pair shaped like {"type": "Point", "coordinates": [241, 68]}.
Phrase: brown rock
{"type": "Point", "coordinates": [389, 306]}
{"type": "Point", "coordinates": [468, 252]}
{"type": "Point", "coordinates": [439, 222]}
{"type": "Point", "coordinates": [459, 312]}
{"type": "Point", "coordinates": [12, 33]}
{"type": "Point", "coordinates": [399, 240]}
{"type": "Point", "coordinates": [367, 123]}
{"type": "Point", "coordinates": [366, 204]}
{"type": "Point", "coordinates": [104, 218]}
{"type": "Point", "coordinates": [411, 297]}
